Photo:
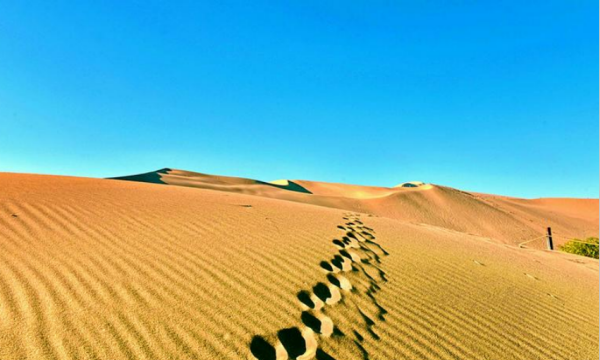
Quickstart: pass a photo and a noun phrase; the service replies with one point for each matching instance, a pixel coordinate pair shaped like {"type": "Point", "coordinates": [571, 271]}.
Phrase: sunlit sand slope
{"type": "Point", "coordinates": [103, 269]}
{"type": "Point", "coordinates": [502, 219]}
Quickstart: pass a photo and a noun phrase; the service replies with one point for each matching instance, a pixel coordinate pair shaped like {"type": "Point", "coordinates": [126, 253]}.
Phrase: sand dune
{"type": "Point", "coordinates": [215, 182]}
{"type": "Point", "coordinates": [502, 219]}
{"type": "Point", "coordinates": [105, 269]}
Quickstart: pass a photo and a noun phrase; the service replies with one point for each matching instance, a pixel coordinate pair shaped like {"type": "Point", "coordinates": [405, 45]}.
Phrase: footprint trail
{"type": "Point", "coordinates": [358, 254]}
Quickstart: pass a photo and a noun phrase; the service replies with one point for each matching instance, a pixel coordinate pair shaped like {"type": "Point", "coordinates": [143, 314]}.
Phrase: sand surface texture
{"type": "Point", "coordinates": [499, 218]}
{"type": "Point", "coordinates": [232, 268]}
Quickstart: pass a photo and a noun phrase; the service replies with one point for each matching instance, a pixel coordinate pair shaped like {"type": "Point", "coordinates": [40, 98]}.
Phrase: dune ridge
{"type": "Point", "coordinates": [500, 218]}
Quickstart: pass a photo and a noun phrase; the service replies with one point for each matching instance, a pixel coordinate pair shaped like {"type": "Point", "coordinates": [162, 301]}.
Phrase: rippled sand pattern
{"type": "Point", "coordinates": [99, 269]}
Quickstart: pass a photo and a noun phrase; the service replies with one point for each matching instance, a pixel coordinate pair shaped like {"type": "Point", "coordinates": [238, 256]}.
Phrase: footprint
{"type": "Point", "coordinates": [381, 311]}
{"type": "Point", "coordinates": [305, 298]}
{"type": "Point", "coordinates": [342, 262]}
{"type": "Point", "coordinates": [365, 353]}
{"type": "Point", "coordinates": [351, 255]}
{"type": "Point", "coordinates": [340, 281]}
{"type": "Point", "coordinates": [326, 266]}
{"type": "Point", "coordinates": [298, 344]}
{"type": "Point", "coordinates": [318, 322]}
{"type": "Point", "coordinates": [322, 292]}
{"type": "Point", "coordinates": [371, 256]}
{"type": "Point", "coordinates": [310, 301]}
{"type": "Point", "coordinates": [337, 333]}
{"type": "Point", "coordinates": [263, 350]}
{"type": "Point", "coordinates": [379, 246]}
{"type": "Point", "coordinates": [369, 324]}
{"type": "Point", "coordinates": [351, 235]}
{"type": "Point", "coordinates": [319, 304]}
{"type": "Point", "coordinates": [367, 235]}
{"type": "Point", "coordinates": [329, 294]}
{"type": "Point", "coordinates": [358, 336]}
{"type": "Point", "coordinates": [339, 243]}
{"type": "Point", "coordinates": [327, 327]}
{"type": "Point", "coordinates": [351, 243]}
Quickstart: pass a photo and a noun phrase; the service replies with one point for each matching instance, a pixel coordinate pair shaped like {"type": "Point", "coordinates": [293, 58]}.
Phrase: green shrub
{"type": "Point", "coordinates": [587, 247]}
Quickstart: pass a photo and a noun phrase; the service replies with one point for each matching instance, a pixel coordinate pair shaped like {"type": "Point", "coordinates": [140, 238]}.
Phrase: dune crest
{"type": "Point", "coordinates": [499, 218]}
{"type": "Point", "coordinates": [411, 184]}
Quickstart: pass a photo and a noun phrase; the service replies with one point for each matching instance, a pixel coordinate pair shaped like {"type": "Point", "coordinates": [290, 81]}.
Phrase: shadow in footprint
{"type": "Point", "coordinates": [322, 355]}
{"type": "Point", "coordinates": [338, 262]}
{"type": "Point", "coordinates": [383, 276]}
{"type": "Point", "coordinates": [374, 334]}
{"type": "Point", "coordinates": [304, 297]}
{"type": "Point", "coordinates": [382, 311]}
{"type": "Point", "coordinates": [357, 342]}
{"type": "Point", "coordinates": [335, 281]}
{"type": "Point", "coordinates": [365, 353]}
{"type": "Point", "coordinates": [379, 246]}
{"type": "Point", "coordinates": [339, 243]}
{"type": "Point", "coordinates": [325, 265]}
{"type": "Point", "coordinates": [292, 341]}
{"type": "Point", "coordinates": [337, 332]}
{"type": "Point", "coordinates": [346, 254]}
{"type": "Point", "coordinates": [261, 349]}
{"type": "Point", "coordinates": [358, 336]}
{"type": "Point", "coordinates": [322, 291]}
{"type": "Point", "coordinates": [369, 325]}
{"type": "Point", "coordinates": [366, 319]}
{"type": "Point", "coordinates": [311, 321]}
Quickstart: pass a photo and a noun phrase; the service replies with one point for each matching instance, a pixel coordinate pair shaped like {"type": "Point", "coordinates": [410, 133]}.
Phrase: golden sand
{"type": "Point", "coordinates": [108, 269]}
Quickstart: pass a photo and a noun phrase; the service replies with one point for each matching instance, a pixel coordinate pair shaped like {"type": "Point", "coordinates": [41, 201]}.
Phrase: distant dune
{"type": "Point", "coordinates": [180, 265]}
{"type": "Point", "coordinates": [500, 218]}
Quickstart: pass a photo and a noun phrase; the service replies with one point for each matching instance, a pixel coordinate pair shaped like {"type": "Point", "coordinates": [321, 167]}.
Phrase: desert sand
{"type": "Point", "coordinates": [500, 218]}
{"type": "Point", "coordinates": [180, 265]}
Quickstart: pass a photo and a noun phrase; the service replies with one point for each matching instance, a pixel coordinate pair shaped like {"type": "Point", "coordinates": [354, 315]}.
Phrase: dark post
{"type": "Point", "coordinates": [550, 244]}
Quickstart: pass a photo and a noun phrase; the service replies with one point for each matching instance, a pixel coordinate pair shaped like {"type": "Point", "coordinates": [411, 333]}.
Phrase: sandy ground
{"type": "Point", "coordinates": [229, 268]}
{"type": "Point", "coordinates": [499, 218]}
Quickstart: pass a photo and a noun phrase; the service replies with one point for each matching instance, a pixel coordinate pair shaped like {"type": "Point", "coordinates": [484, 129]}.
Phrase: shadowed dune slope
{"type": "Point", "coordinates": [215, 182]}
{"type": "Point", "coordinates": [102, 269]}
{"type": "Point", "coordinates": [502, 219]}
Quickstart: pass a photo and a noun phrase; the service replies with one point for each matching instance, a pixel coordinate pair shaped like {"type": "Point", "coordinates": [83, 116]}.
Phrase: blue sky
{"type": "Point", "coordinates": [497, 97]}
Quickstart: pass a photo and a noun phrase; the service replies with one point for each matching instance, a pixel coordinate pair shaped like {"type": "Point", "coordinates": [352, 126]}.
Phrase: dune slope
{"type": "Point", "coordinates": [103, 269]}
{"type": "Point", "coordinates": [499, 218]}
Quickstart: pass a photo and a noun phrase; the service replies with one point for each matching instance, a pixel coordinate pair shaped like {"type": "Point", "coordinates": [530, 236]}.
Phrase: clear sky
{"type": "Point", "coordinates": [490, 96]}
